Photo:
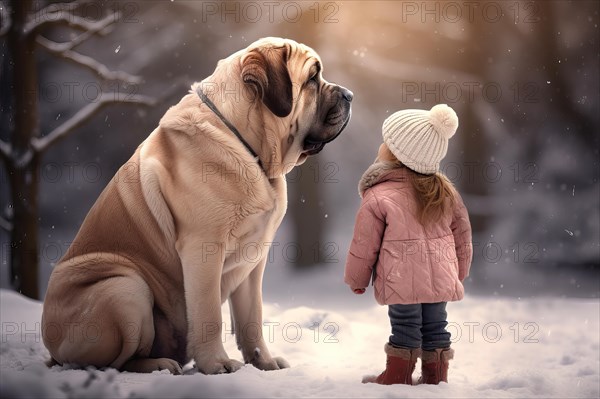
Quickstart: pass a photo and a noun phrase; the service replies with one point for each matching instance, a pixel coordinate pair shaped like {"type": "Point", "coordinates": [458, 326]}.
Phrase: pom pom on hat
{"type": "Point", "coordinates": [444, 120]}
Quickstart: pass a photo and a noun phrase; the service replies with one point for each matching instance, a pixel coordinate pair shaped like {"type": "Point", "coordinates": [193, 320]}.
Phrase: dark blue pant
{"type": "Point", "coordinates": [419, 326]}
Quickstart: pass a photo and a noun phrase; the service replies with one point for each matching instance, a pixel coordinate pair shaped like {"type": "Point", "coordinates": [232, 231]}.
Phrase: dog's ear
{"type": "Point", "coordinates": [266, 70]}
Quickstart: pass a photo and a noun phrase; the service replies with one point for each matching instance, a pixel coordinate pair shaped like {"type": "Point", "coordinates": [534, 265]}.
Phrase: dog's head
{"type": "Point", "coordinates": [285, 99]}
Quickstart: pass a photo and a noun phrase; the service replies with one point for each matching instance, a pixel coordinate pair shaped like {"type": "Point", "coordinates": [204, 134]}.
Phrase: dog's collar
{"type": "Point", "coordinates": [229, 125]}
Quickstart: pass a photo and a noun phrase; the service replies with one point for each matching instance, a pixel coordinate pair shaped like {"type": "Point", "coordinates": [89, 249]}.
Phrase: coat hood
{"type": "Point", "coordinates": [379, 172]}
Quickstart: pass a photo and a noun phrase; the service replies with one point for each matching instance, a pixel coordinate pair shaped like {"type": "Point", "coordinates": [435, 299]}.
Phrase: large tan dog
{"type": "Point", "coordinates": [186, 224]}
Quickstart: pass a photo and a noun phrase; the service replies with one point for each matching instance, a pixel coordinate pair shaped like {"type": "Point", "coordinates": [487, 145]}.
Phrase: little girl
{"type": "Point", "coordinates": [413, 236]}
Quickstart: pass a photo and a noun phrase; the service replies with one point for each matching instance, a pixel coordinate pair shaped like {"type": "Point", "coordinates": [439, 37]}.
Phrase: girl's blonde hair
{"type": "Point", "coordinates": [435, 193]}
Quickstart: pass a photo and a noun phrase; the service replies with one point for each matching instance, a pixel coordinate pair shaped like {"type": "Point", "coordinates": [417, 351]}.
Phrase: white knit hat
{"type": "Point", "coordinates": [419, 138]}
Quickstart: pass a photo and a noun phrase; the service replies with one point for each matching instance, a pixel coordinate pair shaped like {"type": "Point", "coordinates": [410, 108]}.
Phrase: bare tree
{"type": "Point", "coordinates": [21, 155]}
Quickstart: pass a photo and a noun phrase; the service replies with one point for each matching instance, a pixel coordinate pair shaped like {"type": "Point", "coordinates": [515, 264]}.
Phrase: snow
{"type": "Point", "coordinates": [505, 348]}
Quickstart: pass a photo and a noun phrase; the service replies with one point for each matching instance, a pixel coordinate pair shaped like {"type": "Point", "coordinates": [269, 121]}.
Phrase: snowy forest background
{"type": "Point", "coordinates": [522, 76]}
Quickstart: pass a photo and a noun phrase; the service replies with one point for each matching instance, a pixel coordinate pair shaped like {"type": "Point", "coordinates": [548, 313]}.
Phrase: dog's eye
{"type": "Point", "coordinates": [314, 72]}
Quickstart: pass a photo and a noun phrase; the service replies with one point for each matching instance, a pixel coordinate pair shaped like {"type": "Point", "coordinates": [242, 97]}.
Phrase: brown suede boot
{"type": "Point", "coordinates": [434, 366]}
{"type": "Point", "coordinates": [399, 366]}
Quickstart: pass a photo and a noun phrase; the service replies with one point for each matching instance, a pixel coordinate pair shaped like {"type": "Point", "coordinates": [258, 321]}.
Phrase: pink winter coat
{"type": "Point", "coordinates": [409, 263]}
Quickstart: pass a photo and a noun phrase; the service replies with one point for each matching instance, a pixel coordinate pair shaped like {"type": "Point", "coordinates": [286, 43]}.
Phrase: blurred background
{"type": "Point", "coordinates": [522, 76]}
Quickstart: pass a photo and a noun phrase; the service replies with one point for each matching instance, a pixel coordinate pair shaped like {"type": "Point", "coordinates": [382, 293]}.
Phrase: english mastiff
{"type": "Point", "coordinates": [185, 224]}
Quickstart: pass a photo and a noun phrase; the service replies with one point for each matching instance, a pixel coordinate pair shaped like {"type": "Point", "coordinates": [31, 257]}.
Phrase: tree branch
{"type": "Point", "coordinates": [40, 144]}
{"type": "Point", "coordinates": [62, 14]}
{"type": "Point", "coordinates": [63, 50]}
{"type": "Point", "coordinates": [5, 224]}
{"type": "Point", "coordinates": [4, 151]}
{"type": "Point", "coordinates": [58, 7]}
{"type": "Point", "coordinates": [101, 28]}
{"type": "Point", "coordinates": [5, 21]}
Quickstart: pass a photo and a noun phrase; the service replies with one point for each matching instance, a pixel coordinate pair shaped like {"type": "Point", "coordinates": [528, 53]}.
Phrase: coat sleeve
{"type": "Point", "coordinates": [461, 230]}
{"type": "Point", "coordinates": [364, 249]}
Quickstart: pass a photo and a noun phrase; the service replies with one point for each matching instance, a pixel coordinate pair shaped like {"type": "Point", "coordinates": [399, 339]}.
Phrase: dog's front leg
{"type": "Point", "coordinates": [202, 265]}
{"type": "Point", "coordinates": [246, 308]}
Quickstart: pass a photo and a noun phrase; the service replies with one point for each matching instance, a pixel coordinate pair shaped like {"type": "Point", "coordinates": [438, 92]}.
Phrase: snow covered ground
{"type": "Point", "coordinates": [505, 348]}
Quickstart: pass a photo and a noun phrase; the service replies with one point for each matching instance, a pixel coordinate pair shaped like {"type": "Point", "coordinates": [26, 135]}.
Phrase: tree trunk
{"type": "Point", "coordinates": [306, 203]}
{"type": "Point", "coordinates": [24, 258]}
{"type": "Point", "coordinates": [23, 166]}
{"type": "Point", "coordinates": [307, 213]}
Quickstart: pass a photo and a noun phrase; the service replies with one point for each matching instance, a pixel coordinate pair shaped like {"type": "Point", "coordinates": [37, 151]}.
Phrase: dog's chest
{"type": "Point", "coordinates": [250, 242]}
{"type": "Point", "coordinates": [251, 239]}
{"type": "Point", "coordinates": [246, 250]}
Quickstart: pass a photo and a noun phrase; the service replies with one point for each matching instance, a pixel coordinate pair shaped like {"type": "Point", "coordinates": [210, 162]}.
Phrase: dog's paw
{"type": "Point", "coordinates": [276, 363]}
{"type": "Point", "coordinates": [220, 366]}
{"type": "Point", "coordinates": [169, 364]}
{"type": "Point", "coordinates": [147, 365]}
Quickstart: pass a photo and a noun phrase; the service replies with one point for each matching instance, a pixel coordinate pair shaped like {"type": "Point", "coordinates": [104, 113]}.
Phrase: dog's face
{"type": "Point", "coordinates": [290, 98]}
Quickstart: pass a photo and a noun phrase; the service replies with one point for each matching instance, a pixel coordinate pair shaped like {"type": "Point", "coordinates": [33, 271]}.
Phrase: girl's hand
{"type": "Point", "coordinates": [358, 291]}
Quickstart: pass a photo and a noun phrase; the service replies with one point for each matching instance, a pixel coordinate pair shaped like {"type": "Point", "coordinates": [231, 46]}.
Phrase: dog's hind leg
{"type": "Point", "coordinates": [103, 325]}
